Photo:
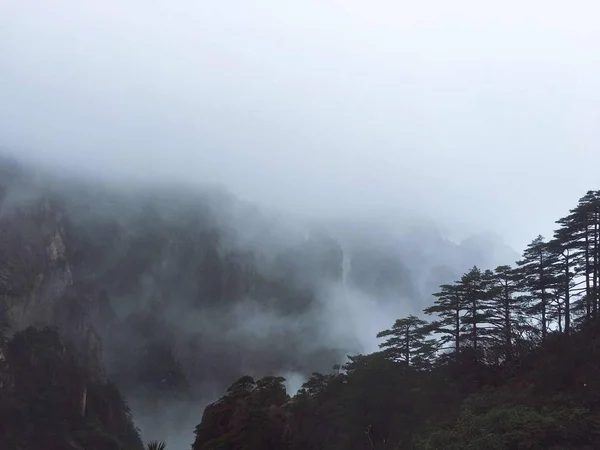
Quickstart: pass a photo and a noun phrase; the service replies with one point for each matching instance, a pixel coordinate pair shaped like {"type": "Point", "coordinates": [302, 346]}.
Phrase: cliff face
{"type": "Point", "coordinates": [49, 400]}
{"type": "Point", "coordinates": [160, 288]}
{"type": "Point", "coordinates": [36, 281]}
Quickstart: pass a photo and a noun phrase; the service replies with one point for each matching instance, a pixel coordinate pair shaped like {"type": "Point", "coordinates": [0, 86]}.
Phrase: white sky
{"type": "Point", "coordinates": [478, 113]}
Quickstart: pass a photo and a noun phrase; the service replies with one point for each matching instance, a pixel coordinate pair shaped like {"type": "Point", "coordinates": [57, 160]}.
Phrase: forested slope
{"type": "Point", "coordinates": [509, 360]}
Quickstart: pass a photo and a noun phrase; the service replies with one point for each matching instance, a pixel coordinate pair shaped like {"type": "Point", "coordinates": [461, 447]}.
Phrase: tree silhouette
{"type": "Point", "coordinates": [407, 341]}
{"type": "Point", "coordinates": [156, 445]}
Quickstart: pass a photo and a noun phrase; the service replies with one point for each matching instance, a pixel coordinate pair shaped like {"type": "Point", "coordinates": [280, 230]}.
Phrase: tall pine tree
{"type": "Point", "coordinates": [474, 287]}
{"type": "Point", "coordinates": [505, 310]}
{"type": "Point", "coordinates": [408, 341]}
{"type": "Point", "coordinates": [536, 271]}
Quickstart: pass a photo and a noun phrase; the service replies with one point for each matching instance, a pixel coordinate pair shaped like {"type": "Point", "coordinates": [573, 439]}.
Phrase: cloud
{"type": "Point", "coordinates": [465, 112]}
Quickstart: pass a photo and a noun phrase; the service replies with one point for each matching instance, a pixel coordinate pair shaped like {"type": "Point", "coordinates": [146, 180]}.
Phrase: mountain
{"type": "Point", "coordinates": [50, 399]}
{"type": "Point", "coordinates": [173, 294]}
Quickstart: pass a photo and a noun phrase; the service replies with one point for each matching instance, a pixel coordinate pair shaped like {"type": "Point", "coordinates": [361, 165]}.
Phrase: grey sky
{"type": "Point", "coordinates": [484, 113]}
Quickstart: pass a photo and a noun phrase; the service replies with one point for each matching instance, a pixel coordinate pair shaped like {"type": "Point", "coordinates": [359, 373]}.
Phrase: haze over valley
{"type": "Point", "coordinates": [174, 290]}
{"type": "Point", "coordinates": [199, 191]}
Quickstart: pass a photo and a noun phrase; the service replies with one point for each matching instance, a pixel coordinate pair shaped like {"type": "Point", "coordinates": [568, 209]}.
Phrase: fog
{"type": "Point", "coordinates": [447, 119]}
{"type": "Point", "coordinates": [477, 115]}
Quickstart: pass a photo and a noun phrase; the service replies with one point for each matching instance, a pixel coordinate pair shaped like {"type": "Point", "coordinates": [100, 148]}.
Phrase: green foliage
{"type": "Point", "coordinates": [498, 420]}
{"type": "Point", "coordinates": [249, 416]}
{"type": "Point", "coordinates": [245, 385]}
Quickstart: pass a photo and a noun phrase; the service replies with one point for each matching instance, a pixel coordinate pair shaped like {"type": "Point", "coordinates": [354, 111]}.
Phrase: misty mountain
{"type": "Point", "coordinates": [408, 262]}
{"type": "Point", "coordinates": [173, 294]}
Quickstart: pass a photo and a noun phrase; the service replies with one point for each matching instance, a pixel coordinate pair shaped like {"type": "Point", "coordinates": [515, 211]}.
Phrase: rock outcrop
{"type": "Point", "coordinates": [48, 400]}
{"type": "Point", "coordinates": [36, 282]}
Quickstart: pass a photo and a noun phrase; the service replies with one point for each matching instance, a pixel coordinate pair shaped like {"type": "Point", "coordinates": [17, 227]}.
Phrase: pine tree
{"type": "Point", "coordinates": [536, 271]}
{"type": "Point", "coordinates": [578, 236]}
{"type": "Point", "coordinates": [565, 253]}
{"type": "Point", "coordinates": [475, 289]}
{"type": "Point", "coordinates": [589, 205]}
{"type": "Point", "coordinates": [407, 342]}
{"type": "Point", "coordinates": [449, 307]}
{"type": "Point", "coordinates": [505, 310]}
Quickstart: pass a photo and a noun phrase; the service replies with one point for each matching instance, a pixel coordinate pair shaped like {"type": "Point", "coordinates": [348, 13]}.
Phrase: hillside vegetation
{"type": "Point", "coordinates": [510, 360]}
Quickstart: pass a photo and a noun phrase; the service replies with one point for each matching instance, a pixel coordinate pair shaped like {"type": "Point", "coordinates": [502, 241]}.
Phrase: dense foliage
{"type": "Point", "coordinates": [510, 361]}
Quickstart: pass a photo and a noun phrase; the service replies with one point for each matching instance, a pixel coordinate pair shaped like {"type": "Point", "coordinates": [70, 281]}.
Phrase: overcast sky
{"type": "Point", "coordinates": [484, 113]}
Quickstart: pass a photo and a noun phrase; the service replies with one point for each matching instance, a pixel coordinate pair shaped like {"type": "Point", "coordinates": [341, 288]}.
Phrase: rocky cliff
{"type": "Point", "coordinates": [48, 399]}
{"type": "Point", "coordinates": [36, 282]}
